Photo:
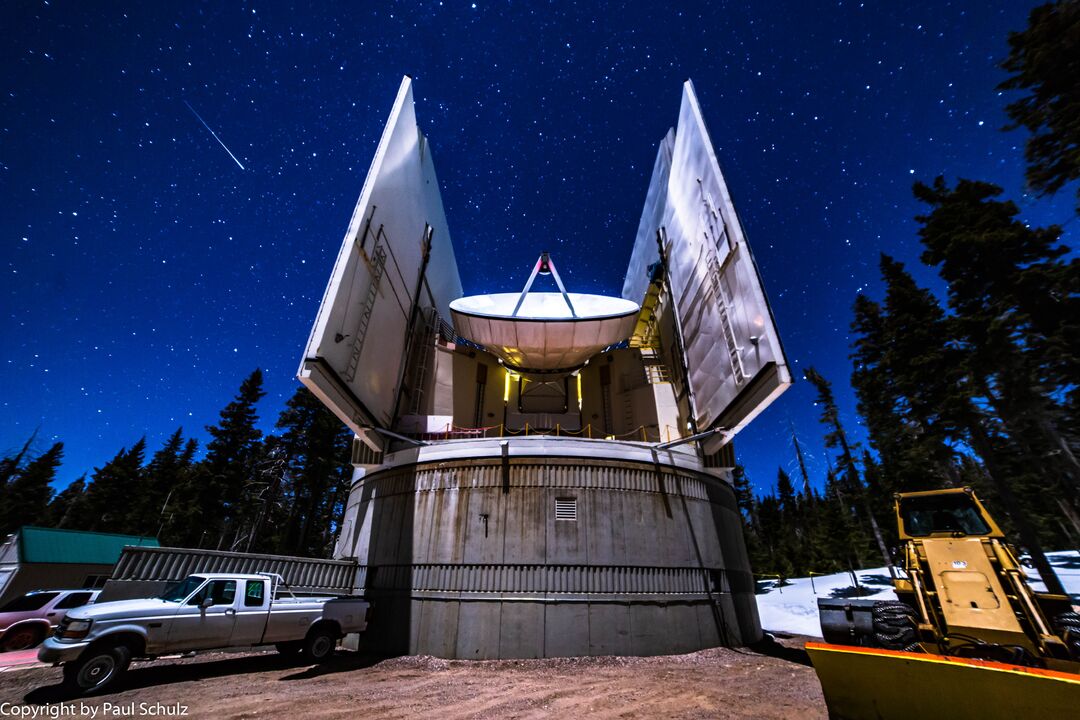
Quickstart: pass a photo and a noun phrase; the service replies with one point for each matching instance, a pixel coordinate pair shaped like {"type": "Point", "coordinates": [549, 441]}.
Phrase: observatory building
{"type": "Point", "coordinates": [544, 474]}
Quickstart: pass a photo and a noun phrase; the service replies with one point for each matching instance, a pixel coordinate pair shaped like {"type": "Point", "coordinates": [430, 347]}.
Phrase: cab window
{"type": "Point", "coordinates": [223, 592]}
{"type": "Point", "coordinates": [952, 514]}
{"type": "Point", "coordinates": [253, 594]}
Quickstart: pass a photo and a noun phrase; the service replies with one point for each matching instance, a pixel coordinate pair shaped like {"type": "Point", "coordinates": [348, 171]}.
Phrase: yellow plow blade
{"type": "Point", "coordinates": [864, 683]}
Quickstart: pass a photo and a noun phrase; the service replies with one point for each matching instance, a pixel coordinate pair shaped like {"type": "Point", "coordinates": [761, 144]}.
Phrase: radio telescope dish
{"type": "Point", "coordinates": [544, 332]}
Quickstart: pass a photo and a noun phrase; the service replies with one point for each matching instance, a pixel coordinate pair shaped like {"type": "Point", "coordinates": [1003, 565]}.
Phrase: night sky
{"type": "Point", "coordinates": [146, 273]}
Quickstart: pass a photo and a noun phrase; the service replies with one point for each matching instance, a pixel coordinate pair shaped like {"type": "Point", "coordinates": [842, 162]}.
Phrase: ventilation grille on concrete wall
{"type": "Point", "coordinates": [566, 509]}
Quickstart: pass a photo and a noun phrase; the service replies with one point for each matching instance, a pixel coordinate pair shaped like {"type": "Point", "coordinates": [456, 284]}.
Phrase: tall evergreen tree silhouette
{"type": "Point", "coordinates": [115, 490]}
{"type": "Point", "coordinates": [1012, 294]}
{"type": "Point", "coordinates": [168, 469]}
{"type": "Point", "coordinates": [909, 378]}
{"type": "Point", "coordinates": [10, 465]}
{"type": "Point", "coordinates": [315, 448]}
{"type": "Point", "coordinates": [747, 504]}
{"type": "Point", "coordinates": [848, 475]}
{"type": "Point", "coordinates": [214, 504]}
{"type": "Point", "coordinates": [65, 509]}
{"type": "Point", "coordinates": [27, 494]}
{"type": "Point", "coordinates": [1044, 62]}
{"type": "Point", "coordinates": [1016, 299]}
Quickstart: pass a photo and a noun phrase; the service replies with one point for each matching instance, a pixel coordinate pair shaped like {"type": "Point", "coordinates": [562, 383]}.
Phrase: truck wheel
{"type": "Point", "coordinates": [319, 645]}
{"type": "Point", "coordinates": [288, 649]}
{"type": "Point", "coordinates": [22, 638]}
{"type": "Point", "coordinates": [97, 669]}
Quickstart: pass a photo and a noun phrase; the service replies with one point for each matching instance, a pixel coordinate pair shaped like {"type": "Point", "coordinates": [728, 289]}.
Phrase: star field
{"type": "Point", "coordinates": [146, 273]}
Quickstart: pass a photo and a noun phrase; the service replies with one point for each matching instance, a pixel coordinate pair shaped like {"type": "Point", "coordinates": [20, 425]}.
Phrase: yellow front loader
{"type": "Point", "coordinates": [967, 637]}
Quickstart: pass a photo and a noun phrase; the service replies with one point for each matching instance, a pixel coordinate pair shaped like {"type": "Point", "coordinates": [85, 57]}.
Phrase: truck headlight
{"type": "Point", "coordinates": [74, 630]}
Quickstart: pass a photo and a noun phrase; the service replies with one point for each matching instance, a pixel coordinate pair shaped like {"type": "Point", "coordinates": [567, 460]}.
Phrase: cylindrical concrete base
{"type": "Point", "coordinates": [549, 547]}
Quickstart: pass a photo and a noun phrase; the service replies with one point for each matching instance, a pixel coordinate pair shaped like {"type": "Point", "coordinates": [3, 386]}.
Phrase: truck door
{"type": "Point", "coordinates": [198, 628]}
{"type": "Point", "coordinates": [252, 611]}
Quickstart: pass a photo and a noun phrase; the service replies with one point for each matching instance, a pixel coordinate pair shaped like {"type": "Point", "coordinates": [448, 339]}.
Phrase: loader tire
{"type": "Point", "coordinates": [1067, 626]}
{"type": "Point", "coordinates": [895, 625]}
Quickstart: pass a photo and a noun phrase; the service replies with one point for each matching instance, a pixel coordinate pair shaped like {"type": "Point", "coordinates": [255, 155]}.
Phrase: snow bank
{"type": "Point", "coordinates": [793, 607]}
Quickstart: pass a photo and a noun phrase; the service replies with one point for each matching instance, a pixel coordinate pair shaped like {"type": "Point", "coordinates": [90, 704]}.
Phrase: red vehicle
{"type": "Point", "coordinates": [29, 618]}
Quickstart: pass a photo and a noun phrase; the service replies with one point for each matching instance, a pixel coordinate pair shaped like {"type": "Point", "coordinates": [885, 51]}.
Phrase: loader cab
{"type": "Point", "coordinates": [943, 513]}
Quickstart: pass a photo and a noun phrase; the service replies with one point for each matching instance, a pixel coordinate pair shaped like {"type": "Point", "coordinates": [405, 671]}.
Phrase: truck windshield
{"type": "Point", "coordinates": [180, 591]}
{"type": "Point", "coordinates": [953, 514]}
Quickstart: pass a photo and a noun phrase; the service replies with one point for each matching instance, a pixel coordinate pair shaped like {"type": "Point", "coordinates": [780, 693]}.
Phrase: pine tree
{"type": "Point", "coordinates": [1009, 290]}
{"type": "Point", "coordinates": [836, 438]}
{"type": "Point", "coordinates": [881, 497]}
{"type": "Point", "coordinates": [313, 482]}
{"type": "Point", "coordinates": [9, 468]}
{"type": "Point", "coordinates": [814, 541]}
{"type": "Point", "coordinates": [1016, 299]}
{"type": "Point", "coordinates": [785, 491]}
{"type": "Point", "coordinates": [27, 495]}
{"type": "Point", "coordinates": [791, 524]}
{"type": "Point", "coordinates": [115, 491]}
{"type": "Point", "coordinates": [819, 556]}
{"type": "Point", "coordinates": [1017, 306]}
{"type": "Point", "coordinates": [62, 511]}
{"type": "Point", "coordinates": [879, 402]}
{"type": "Point", "coordinates": [10, 465]}
{"type": "Point", "coordinates": [176, 516]}
{"type": "Point", "coordinates": [775, 551]}
{"type": "Point", "coordinates": [907, 376]}
{"type": "Point", "coordinates": [846, 542]}
{"type": "Point", "coordinates": [744, 497]}
{"type": "Point", "coordinates": [168, 469]}
{"type": "Point", "coordinates": [213, 506]}
{"type": "Point", "coordinates": [1044, 60]}
{"type": "Point", "coordinates": [804, 474]}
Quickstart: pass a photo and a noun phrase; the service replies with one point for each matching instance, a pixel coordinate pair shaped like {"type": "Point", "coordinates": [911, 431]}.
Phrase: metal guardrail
{"type": "Point", "coordinates": [168, 564]}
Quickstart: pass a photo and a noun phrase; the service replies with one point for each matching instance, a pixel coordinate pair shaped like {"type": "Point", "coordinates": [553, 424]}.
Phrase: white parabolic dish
{"type": "Point", "coordinates": [544, 336]}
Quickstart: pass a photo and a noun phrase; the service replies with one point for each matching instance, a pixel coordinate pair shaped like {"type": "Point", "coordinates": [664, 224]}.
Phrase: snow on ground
{"type": "Point", "coordinates": [1066, 565]}
{"type": "Point", "coordinates": [793, 607]}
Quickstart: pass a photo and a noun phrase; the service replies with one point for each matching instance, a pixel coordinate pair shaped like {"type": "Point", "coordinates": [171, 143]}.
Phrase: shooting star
{"type": "Point", "coordinates": [214, 134]}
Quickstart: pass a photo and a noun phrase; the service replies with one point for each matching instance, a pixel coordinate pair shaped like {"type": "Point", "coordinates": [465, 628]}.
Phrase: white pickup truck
{"type": "Point", "coordinates": [202, 612]}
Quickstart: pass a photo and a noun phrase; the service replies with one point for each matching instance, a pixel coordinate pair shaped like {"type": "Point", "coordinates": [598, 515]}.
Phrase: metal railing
{"type": "Point", "coordinates": [642, 433]}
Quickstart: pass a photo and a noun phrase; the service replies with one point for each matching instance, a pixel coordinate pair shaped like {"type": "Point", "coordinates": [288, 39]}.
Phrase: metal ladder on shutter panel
{"type": "Point", "coordinates": [723, 307]}
{"type": "Point", "coordinates": [378, 265]}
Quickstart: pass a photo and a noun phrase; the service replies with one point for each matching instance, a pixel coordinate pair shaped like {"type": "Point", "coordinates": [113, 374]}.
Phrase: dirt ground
{"type": "Point", "coordinates": [769, 682]}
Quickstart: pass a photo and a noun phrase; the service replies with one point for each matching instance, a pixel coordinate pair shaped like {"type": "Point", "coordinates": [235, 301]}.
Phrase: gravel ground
{"type": "Point", "coordinates": [768, 682]}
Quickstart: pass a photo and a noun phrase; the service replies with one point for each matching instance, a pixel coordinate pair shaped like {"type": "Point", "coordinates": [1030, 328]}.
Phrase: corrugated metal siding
{"type": "Point", "coordinates": [172, 564]}
{"type": "Point", "coordinates": [9, 550]}
{"type": "Point", "coordinates": [608, 475]}
{"type": "Point", "coordinates": [542, 579]}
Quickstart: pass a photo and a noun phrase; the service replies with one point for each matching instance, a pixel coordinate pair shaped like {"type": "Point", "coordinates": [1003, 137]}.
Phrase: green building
{"type": "Point", "coordinates": [34, 558]}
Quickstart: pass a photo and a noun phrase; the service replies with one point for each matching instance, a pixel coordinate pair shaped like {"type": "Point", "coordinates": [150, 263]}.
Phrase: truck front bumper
{"type": "Point", "coordinates": [54, 651]}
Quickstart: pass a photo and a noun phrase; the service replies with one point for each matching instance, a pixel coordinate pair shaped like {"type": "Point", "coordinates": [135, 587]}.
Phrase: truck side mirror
{"type": "Point", "coordinates": [206, 602]}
